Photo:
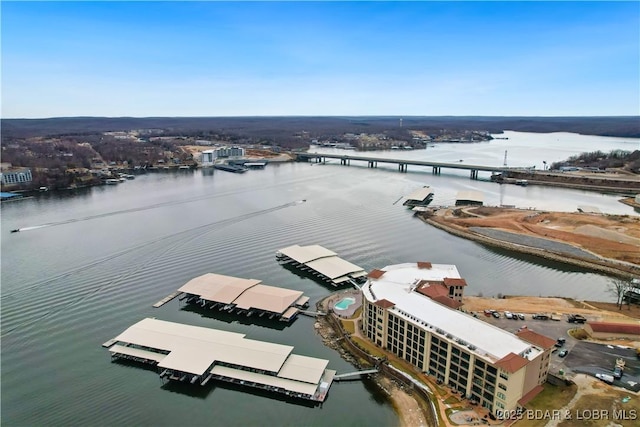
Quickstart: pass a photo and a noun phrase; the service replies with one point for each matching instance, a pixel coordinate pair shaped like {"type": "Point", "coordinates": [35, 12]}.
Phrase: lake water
{"type": "Point", "coordinates": [96, 260]}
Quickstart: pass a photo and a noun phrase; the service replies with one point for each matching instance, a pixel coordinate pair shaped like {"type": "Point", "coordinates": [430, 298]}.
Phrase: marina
{"type": "Point", "coordinates": [197, 355]}
{"type": "Point", "coordinates": [243, 297]}
{"type": "Point", "coordinates": [322, 264]}
{"type": "Point", "coordinates": [179, 226]}
{"type": "Point", "coordinates": [230, 168]}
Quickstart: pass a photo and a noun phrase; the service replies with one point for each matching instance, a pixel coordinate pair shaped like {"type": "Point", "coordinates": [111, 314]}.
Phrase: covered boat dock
{"type": "Point", "coordinates": [243, 296]}
{"type": "Point", "coordinates": [421, 197]}
{"type": "Point", "coordinates": [469, 198]}
{"type": "Point", "coordinates": [322, 263]}
{"type": "Point", "coordinates": [197, 355]}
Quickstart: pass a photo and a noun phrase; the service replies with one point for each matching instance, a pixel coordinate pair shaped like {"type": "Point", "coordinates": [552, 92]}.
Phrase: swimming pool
{"type": "Point", "coordinates": [344, 303]}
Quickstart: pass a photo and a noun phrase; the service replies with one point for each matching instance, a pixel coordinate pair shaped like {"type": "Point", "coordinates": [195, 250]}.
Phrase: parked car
{"type": "Point", "coordinates": [563, 353]}
{"type": "Point", "coordinates": [520, 316]}
{"type": "Point", "coordinates": [540, 316]}
{"type": "Point", "coordinates": [606, 378]}
{"type": "Point", "coordinates": [617, 372]}
{"type": "Point", "coordinates": [576, 318]}
{"type": "Point", "coordinates": [508, 315]}
{"type": "Point", "coordinates": [496, 314]}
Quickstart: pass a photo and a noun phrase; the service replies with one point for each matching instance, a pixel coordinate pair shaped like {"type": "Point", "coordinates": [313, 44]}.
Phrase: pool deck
{"type": "Point", "coordinates": [339, 296]}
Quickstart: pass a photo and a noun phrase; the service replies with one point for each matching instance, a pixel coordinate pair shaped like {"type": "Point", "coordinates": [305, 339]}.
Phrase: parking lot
{"type": "Point", "coordinates": [583, 357]}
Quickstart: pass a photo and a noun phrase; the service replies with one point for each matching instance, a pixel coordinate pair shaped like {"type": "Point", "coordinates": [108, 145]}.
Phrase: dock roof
{"type": "Point", "coordinates": [304, 254]}
{"type": "Point", "coordinates": [217, 287]}
{"type": "Point", "coordinates": [269, 380]}
{"type": "Point", "coordinates": [244, 293]}
{"type": "Point", "coordinates": [303, 368]}
{"type": "Point", "coordinates": [193, 349]}
{"type": "Point", "coordinates": [268, 298]}
{"type": "Point", "coordinates": [229, 356]}
{"type": "Point", "coordinates": [420, 194]}
{"type": "Point", "coordinates": [468, 195]}
{"type": "Point", "coordinates": [334, 267]}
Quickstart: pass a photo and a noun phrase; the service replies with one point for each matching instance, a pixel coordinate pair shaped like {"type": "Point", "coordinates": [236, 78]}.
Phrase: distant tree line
{"type": "Point", "coordinates": [283, 129]}
{"type": "Point", "coordinates": [629, 160]}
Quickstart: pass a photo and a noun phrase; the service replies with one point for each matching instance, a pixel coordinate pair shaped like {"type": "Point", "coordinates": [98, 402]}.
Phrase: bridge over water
{"type": "Point", "coordinates": [403, 164]}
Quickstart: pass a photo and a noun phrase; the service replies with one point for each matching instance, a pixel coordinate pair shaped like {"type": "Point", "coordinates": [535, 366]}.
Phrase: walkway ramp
{"type": "Point", "coordinates": [354, 374]}
{"type": "Point", "coordinates": [166, 299]}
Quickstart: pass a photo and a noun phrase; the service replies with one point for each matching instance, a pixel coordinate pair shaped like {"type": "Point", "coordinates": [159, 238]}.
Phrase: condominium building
{"type": "Point", "coordinates": [406, 311]}
{"type": "Point", "coordinates": [208, 157]}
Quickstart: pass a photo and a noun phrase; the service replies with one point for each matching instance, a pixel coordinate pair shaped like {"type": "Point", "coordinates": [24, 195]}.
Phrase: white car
{"type": "Point", "coordinates": [508, 315]}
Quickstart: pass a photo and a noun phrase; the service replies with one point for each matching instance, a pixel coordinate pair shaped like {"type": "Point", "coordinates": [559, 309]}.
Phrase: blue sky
{"type": "Point", "coordinates": [320, 58]}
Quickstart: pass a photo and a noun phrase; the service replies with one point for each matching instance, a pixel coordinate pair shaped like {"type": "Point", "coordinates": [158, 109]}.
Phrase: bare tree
{"type": "Point", "coordinates": [619, 287]}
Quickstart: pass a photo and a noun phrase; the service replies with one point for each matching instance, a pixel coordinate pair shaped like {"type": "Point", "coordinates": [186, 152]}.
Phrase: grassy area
{"type": "Point", "coordinates": [552, 397]}
{"type": "Point", "coordinates": [368, 347]}
{"type": "Point", "coordinates": [579, 333]}
{"type": "Point", "coordinates": [632, 310]}
{"type": "Point", "coordinates": [348, 326]}
{"type": "Point", "coordinates": [452, 400]}
{"type": "Point", "coordinates": [603, 410]}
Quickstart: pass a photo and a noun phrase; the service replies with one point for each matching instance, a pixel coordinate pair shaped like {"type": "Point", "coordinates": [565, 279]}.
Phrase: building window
{"type": "Point", "coordinates": [504, 375]}
{"type": "Point", "coordinates": [502, 386]}
{"type": "Point", "coordinates": [501, 396]}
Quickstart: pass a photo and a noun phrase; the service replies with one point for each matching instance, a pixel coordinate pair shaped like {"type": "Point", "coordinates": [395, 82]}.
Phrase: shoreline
{"type": "Point", "coordinates": [408, 404]}
{"type": "Point", "coordinates": [602, 266]}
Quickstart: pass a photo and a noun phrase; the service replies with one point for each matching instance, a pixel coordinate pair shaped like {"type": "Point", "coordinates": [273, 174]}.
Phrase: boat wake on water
{"type": "Point", "coordinates": [87, 218]}
{"type": "Point", "coordinates": [175, 239]}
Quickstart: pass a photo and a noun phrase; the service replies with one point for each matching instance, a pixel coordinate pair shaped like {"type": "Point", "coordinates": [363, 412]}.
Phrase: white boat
{"type": "Point", "coordinates": [112, 181]}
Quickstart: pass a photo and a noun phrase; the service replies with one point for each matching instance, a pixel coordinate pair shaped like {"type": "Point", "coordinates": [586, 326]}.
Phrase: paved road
{"type": "Point", "coordinates": [534, 242]}
{"type": "Point", "coordinates": [591, 358]}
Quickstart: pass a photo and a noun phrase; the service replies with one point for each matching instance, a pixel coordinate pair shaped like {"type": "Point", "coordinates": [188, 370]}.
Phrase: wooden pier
{"type": "Point", "coordinates": [166, 299]}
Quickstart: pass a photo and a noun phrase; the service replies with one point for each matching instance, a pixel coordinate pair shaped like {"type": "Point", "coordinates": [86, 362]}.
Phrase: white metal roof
{"type": "Point", "coordinates": [302, 368]}
{"type": "Point", "coordinates": [137, 352]}
{"type": "Point", "coordinates": [302, 300]}
{"type": "Point", "coordinates": [296, 386]}
{"type": "Point", "coordinates": [267, 298]}
{"type": "Point", "coordinates": [217, 287]}
{"type": "Point", "coordinates": [304, 254]}
{"type": "Point", "coordinates": [420, 194]}
{"type": "Point", "coordinates": [333, 267]}
{"type": "Point", "coordinates": [291, 311]}
{"type": "Point", "coordinates": [395, 285]}
{"type": "Point", "coordinates": [192, 359]}
{"type": "Point", "coordinates": [193, 349]}
{"type": "Point", "coordinates": [475, 196]}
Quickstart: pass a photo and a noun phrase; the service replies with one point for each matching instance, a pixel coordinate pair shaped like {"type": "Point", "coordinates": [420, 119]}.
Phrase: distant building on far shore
{"type": "Point", "coordinates": [209, 157]}
{"type": "Point", "coordinates": [14, 175]}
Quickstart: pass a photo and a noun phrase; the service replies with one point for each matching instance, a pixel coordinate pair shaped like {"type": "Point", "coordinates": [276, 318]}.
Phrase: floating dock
{"type": "Point", "coordinates": [243, 297]}
{"type": "Point", "coordinates": [197, 355]}
{"type": "Point", "coordinates": [322, 263]}
{"type": "Point", "coordinates": [166, 299]}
